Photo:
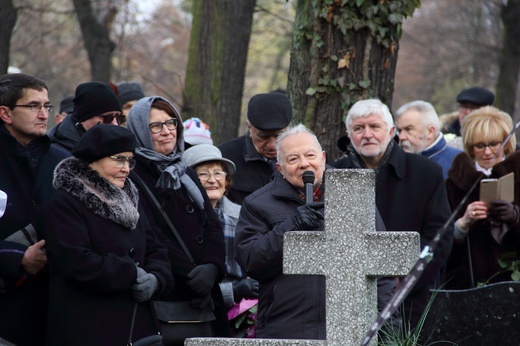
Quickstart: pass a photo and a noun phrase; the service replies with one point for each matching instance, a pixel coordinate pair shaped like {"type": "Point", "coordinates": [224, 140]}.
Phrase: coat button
{"type": "Point", "coordinates": [131, 252]}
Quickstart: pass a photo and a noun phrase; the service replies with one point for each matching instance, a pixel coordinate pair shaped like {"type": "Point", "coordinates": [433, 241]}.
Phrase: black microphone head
{"type": "Point", "coordinates": [308, 177]}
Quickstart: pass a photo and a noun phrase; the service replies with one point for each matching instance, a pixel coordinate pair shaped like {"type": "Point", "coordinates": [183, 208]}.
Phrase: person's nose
{"type": "Point", "coordinates": [402, 136]}
{"type": "Point", "coordinates": [304, 163]}
{"type": "Point", "coordinates": [487, 150]}
{"type": "Point", "coordinates": [114, 122]}
{"type": "Point", "coordinates": [368, 133]}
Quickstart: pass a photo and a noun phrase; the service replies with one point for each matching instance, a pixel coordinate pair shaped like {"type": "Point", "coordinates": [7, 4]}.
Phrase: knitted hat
{"type": "Point", "coordinates": [476, 95]}
{"type": "Point", "coordinates": [67, 105]}
{"type": "Point", "coordinates": [206, 153]}
{"type": "Point", "coordinates": [129, 91]}
{"type": "Point", "coordinates": [104, 140]}
{"type": "Point", "coordinates": [196, 132]}
{"type": "Point", "coordinates": [94, 98]}
{"type": "Point", "coordinates": [270, 111]}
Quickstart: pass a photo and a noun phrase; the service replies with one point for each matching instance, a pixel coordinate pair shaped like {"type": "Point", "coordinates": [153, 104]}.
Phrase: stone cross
{"type": "Point", "coordinates": [350, 254]}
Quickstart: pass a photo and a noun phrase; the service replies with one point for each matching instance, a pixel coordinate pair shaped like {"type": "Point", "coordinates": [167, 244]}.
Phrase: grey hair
{"type": "Point", "coordinates": [364, 108]}
{"type": "Point", "coordinates": [300, 128]}
{"type": "Point", "coordinates": [428, 114]}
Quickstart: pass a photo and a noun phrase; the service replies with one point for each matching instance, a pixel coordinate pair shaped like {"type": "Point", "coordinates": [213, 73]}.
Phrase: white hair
{"type": "Point", "coordinates": [427, 112]}
{"type": "Point", "coordinates": [364, 108]}
{"type": "Point", "coordinates": [290, 131]}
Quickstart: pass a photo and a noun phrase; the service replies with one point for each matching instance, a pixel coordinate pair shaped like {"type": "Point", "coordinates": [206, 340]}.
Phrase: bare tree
{"type": "Point", "coordinates": [8, 17]}
{"type": "Point", "coordinates": [217, 63]}
{"type": "Point", "coordinates": [507, 84]}
{"type": "Point", "coordinates": [96, 37]}
{"type": "Point", "coordinates": [342, 51]}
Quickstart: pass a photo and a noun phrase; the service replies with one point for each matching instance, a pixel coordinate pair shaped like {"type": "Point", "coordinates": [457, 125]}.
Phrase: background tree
{"type": "Point", "coordinates": [96, 25]}
{"type": "Point", "coordinates": [217, 63]}
{"type": "Point", "coordinates": [8, 17]}
{"type": "Point", "coordinates": [343, 51]}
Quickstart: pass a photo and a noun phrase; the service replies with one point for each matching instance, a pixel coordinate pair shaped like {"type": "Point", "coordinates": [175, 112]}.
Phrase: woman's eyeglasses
{"type": "Point", "coordinates": [121, 161]}
{"type": "Point", "coordinates": [205, 175]}
{"type": "Point", "coordinates": [493, 146]}
{"type": "Point", "coordinates": [157, 127]}
{"type": "Point", "coordinates": [108, 118]}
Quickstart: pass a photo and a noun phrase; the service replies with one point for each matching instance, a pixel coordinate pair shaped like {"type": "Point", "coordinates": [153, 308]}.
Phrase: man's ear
{"type": "Point", "coordinates": [5, 115]}
{"type": "Point", "coordinates": [392, 131]}
{"type": "Point", "coordinates": [279, 168]}
{"type": "Point", "coordinates": [430, 132]}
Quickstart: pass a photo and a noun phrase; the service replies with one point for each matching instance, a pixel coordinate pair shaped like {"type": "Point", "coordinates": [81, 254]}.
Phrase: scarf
{"type": "Point", "coordinates": [357, 161]}
{"type": "Point", "coordinates": [98, 194]}
{"type": "Point", "coordinates": [171, 167]}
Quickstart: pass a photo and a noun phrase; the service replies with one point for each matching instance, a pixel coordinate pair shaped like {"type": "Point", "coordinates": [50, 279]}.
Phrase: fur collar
{"type": "Point", "coordinates": [96, 193]}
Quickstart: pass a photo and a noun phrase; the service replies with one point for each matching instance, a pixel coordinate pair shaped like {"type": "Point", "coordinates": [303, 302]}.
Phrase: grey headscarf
{"type": "Point", "coordinates": [172, 167]}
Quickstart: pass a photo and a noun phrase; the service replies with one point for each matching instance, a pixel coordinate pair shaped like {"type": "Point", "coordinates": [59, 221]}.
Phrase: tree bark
{"type": "Point", "coordinates": [509, 68]}
{"type": "Point", "coordinates": [343, 51]}
{"type": "Point", "coordinates": [96, 36]}
{"type": "Point", "coordinates": [8, 16]}
{"type": "Point", "coordinates": [217, 63]}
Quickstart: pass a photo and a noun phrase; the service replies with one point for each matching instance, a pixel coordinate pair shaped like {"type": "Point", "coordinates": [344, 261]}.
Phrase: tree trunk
{"type": "Point", "coordinates": [342, 53]}
{"type": "Point", "coordinates": [217, 63]}
{"type": "Point", "coordinates": [8, 16]}
{"type": "Point", "coordinates": [96, 36]}
{"type": "Point", "coordinates": [507, 84]}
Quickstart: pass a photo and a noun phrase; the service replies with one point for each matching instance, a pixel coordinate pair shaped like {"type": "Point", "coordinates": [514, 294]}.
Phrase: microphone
{"type": "Point", "coordinates": [308, 182]}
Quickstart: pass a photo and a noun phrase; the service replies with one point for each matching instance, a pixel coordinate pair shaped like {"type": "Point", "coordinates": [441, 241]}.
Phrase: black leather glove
{"type": "Point", "coordinates": [203, 302]}
{"type": "Point", "coordinates": [307, 217]}
{"type": "Point", "coordinates": [202, 278]}
{"type": "Point", "coordinates": [506, 212]}
{"type": "Point", "coordinates": [245, 288]}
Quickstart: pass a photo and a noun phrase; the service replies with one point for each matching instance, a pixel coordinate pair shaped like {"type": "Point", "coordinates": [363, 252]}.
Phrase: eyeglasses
{"type": "Point", "coordinates": [121, 161]}
{"type": "Point", "coordinates": [36, 107]}
{"type": "Point", "coordinates": [109, 118]}
{"type": "Point", "coordinates": [493, 146]}
{"type": "Point", "coordinates": [205, 175]}
{"type": "Point", "coordinates": [157, 127]}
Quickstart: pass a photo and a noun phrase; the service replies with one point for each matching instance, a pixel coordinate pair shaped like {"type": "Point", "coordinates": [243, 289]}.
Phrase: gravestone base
{"type": "Point", "coordinates": [488, 315]}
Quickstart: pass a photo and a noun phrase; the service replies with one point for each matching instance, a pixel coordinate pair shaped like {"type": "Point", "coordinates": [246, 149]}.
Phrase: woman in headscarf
{"type": "Point", "coordinates": [483, 232]}
{"type": "Point", "coordinates": [103, 254]}
{"type": "Point", "coordinates": [158, 128]}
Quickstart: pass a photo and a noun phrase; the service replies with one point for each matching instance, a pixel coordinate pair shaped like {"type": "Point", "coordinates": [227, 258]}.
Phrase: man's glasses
{"type": "Point", "coordinates": [36, 107]}
{"type": "Point", "coordinates": [493, 146]}
{"type": "Point", "coordinates": [121, 161]}
{"type": "Point", "coordinates": [205, 175]}
{"type": "Point", "coordinates": [157, 127]}
{"type": "Point", "coordinates": [108, 118]}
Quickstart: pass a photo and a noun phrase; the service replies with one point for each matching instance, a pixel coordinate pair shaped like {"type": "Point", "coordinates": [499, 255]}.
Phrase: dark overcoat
{"type": "Point", "coordinates": [23, 308]}
{"type": "Point", "coordinates": [411, 196]}
{"type": "Point", "coordinates": [93, 252]}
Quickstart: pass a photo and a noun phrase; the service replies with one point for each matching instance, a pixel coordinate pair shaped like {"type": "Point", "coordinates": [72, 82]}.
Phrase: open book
{"type": "Point", "coordinates": [502, 188]}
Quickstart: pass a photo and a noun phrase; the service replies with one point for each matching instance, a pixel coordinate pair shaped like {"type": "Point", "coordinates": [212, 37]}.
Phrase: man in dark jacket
{"type": "Point", "coordinates": [410, 191]}
{"type": "Point", "coordinates": [290, 306]}
{"type": "Point", "coordinates": [254, 154]}
{"type": "Point", "coordinates": [27, 162]}
{"type": "Point", "coordinates": [94, 103]}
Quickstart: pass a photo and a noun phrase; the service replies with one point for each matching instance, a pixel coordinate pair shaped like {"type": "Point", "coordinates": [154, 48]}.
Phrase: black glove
{"type": "Point", "coordinates": [506, 212]}
{"type": "Point", "coordinates": [307, 217]}
{"type": "Point", "coordinates": [202, 278]}
{"type": "Point", "coordinates": [203, 302]}
{"type": "Point", "coordinates": [245, 288]}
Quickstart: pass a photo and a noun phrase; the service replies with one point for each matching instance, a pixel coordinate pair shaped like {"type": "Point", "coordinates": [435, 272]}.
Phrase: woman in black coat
{"type": "Point", "coordinates": [158, 128]}
{"type": "Point", "coordinates": [103, 255]}
{"type": "Point", "coordinates": [487, 231]}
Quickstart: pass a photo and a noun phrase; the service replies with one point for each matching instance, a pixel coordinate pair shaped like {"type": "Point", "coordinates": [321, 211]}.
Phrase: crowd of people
{"type": "Point", "coordinates": [123, 219]}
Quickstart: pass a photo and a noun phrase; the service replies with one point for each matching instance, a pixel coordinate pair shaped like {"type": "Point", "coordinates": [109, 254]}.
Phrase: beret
{"type": "Point", "coordinates": [476, 95]}
{"type": "Point", "coordinates": [104, 140]}
{"type": "Point", "coordinates": [271, 111]}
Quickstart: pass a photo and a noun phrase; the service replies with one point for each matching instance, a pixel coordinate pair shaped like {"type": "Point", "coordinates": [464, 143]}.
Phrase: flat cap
{"type": "Point", "coordinates": [476, 95]}
{"type": "Point", "coordinates": [271, 111]}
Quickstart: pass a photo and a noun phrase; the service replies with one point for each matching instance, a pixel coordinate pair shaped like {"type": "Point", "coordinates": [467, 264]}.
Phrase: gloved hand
{"type": "Point", "coordinates": [140, 272]}
{"type": "Point", "coordinates": [203, 302]}
{"type": "Point", "coordinates": [202, 278]}
{"type": "Point", "coordinates": [506, 212]}
{"type": "Point", "coordinates": [145, 287]}
{"type": "Point", "coordinates": [307, 217]}
{"type": "Point", "coordinates": [245, 288]}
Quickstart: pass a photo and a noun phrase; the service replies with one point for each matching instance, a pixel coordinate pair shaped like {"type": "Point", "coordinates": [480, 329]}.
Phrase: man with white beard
{"type": "Point", "coordinates": [419, 133]}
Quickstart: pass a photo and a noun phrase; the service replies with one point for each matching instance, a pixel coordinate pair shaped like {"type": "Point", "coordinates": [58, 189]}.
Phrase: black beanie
{"type": "Point", "coordinates": [94, 98]}
{"type": "Point", "coordinates": [270, 111]}
{"type": "Point", "coordinates": [104, 140]}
